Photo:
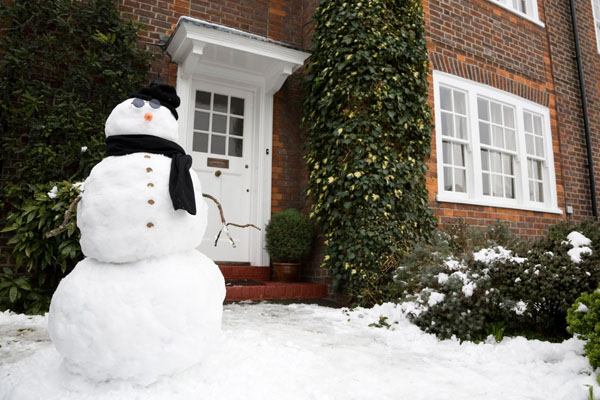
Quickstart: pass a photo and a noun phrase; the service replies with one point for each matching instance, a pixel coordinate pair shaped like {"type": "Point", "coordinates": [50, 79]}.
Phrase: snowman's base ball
{"type": "Point", "coordinates": [137, 321]}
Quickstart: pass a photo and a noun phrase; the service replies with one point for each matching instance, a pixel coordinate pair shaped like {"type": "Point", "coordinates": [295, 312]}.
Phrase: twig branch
{"type": "Point", "coordinates": [225, 224]}
{"type": "Point", "coordinates": [65, 222]}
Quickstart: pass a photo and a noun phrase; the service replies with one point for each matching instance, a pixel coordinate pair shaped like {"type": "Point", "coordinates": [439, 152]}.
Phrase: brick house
{"type": "Point", "coordinates": [510, 132]}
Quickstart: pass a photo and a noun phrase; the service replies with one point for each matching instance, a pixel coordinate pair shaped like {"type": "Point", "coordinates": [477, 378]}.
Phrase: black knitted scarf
{"type": "Point", "coordinates": [181, 187]}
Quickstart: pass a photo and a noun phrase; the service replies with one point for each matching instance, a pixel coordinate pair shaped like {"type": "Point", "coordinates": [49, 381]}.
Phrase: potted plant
{"type": "Point", "coordinates": [289, 237]}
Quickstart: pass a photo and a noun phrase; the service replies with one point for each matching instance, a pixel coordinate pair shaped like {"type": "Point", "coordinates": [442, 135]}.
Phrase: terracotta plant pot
{"type": "Point", "coordinates": [286, 272]}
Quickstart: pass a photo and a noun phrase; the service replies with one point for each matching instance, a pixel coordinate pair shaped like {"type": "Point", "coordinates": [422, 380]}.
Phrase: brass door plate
{"type": "Point", "coordinates": [217, 163]}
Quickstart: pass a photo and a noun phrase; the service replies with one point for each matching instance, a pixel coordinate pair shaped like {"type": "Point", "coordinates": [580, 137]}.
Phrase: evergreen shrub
{"type": "Point", "coordinates": [64, 66]}
{"type": "Point", "coordinates": [288, 236]}
{"type": "Point", "coordinates": [584, 321]}
{"type": "Point", "coordinates": [498, 282]}
{"type": "Point", "coordinates": [42, 261]}
{"type": "Point", "coordinates": [368, 133]}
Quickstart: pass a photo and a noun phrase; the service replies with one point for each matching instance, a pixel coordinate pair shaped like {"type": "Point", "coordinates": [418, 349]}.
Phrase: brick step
{"type": "Point", "coordinates": [276, 291]}
{"type": "Point", "coordinates": [249, 272]}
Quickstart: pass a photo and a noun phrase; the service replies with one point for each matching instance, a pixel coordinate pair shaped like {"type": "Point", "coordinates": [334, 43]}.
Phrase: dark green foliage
{"type": "Point", "coordinates": [42, 261]}
{"type": "Point", "coordinates": [289, 236]}
{"type": "Point", "coordinates": [586, 323]}
{"type": "Point", "coordinates": [528, 296]}
{"type": "Point", "coordinates": [65, 64]}
{"type": "Point", "coordinates": [367, 136]}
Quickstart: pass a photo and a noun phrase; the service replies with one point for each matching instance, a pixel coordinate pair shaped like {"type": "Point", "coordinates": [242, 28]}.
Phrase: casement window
{"type": "Point", "coordinates": [596, 11]}
{"type": "Point", "coordinates": [526, 8]}
{"type": "Point", "coordinates": [494, 148]}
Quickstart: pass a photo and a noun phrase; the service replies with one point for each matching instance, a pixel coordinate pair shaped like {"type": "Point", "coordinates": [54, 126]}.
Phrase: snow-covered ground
{"type": "Point", "coordinates": [300, 351]}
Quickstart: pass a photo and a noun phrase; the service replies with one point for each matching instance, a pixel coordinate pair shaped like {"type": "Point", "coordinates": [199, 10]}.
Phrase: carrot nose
{"type": "Point", "coordinates": [148, 117]}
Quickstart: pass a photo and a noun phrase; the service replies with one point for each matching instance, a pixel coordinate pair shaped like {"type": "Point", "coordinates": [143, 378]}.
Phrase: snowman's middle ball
{"type": "Point", "coordinates": [126, 213]}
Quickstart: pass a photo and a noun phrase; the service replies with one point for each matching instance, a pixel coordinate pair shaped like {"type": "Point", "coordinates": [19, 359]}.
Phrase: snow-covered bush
{"type": "Point", "coordinates": [471, 293]}
{"type": "Point", "coordinates": [584, 320]}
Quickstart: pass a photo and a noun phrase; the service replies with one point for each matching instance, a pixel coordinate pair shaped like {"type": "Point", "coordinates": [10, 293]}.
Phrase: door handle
{"type": "Point", "coordinates": [217, 173]}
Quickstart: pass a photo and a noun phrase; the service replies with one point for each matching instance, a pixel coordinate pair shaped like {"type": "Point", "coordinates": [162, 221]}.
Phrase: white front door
{"type": "Point", "coordinates": [221, 142]}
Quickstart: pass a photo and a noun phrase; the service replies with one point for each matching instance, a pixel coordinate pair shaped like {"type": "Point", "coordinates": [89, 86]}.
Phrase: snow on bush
{"type": "Point", "coordinates": [522, 288]}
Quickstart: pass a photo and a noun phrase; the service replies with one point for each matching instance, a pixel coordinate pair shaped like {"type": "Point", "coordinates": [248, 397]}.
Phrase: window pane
{"type": "Point", "coordinates": [200, 142]}
{"type": "Point", "coordinates": [484, 133]}
{"type": "Point", "coordinates": [447, 124]}
{"type": "Point", "coordinates": [509, 117]}
{"type": "Point", "coordinates": [448, 179]}
{"type": "Point", "coordinates": [201, 120]}
{"type": "Point", "coordinates": [498, 136]}
{"type": "Point", "coordinates": [483, 109]}
{"type": "Point", "coordinates": [485, 161]}
{"type": "Point", "coordinates": [459, 180]}
{"type": "Point", "coordinates": [217, 144]}
{"type": "Point", "coordinates": [202, 100]}
{"type": "Point", "coordinates": [539, 147]}
{"type": "Point", "coordinates": [446, 98]}
{"type": "Point", "coordinates": [496, 161]}
{"type": "Point", "coordinates": [219, 123]}
{"type": "Point", "coordinates": [220, 104]}
{"type": "Point", "coordinates": [509, 188]}
{"type": "Point", "coordinates": [511, 141]}
{"type": "Point", "coordinates": [447, 156]}
{"type": "Point", "coordinates": [540, 192]}
{"type": "Point", "coordinates": [236, 147]}
{"type": "Point", "coordinates": [460, 103]}
{"type": "Point", "coordinates": [236, 126]}
{"type": "Point", "coordinates": [496, 113]}
{"type": "Point", "coordinates": [486, 184]}
{"type": "Point", "coordinates": [530, 168]}
{"type": "Point", "coordinates": [528, 123]}
{"type": "Point", "coordinates": [507, 164]}
{"type": "Point", "coordinates": [459, 158]}
{"type": "Point", "coordinates": [537, 125]}
{"type": "Point", "coordinates": [461, 127]}
{"type": "Point", "coordinates": [531, 191]}
{"type": "Point", "coordinates": [537, 170]}
{"type": "Point", "coordinates": [529, 144]}
{"type": "Point", "coordinates": [237, 106]}
{"type": "Point", "coordinates": [497, 186]}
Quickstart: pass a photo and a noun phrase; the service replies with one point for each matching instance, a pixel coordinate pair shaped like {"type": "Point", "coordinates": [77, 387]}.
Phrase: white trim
{"type": "Point", "coordinates": [253, 64]}
{"type": "Point", "coordinates": [532, 18]}
{"type": "Point", "coordinates": [474, 194]}
{"type": "Point", "coordinates": [596, 19]}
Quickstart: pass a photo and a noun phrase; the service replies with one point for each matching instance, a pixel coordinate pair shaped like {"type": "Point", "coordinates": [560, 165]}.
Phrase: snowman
{"type": "Point", "coordinates": [143, 303]}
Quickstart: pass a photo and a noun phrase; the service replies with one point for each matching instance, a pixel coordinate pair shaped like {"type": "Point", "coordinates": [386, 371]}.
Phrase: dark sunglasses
{"type": "Point", "coordinates": [139, 103]}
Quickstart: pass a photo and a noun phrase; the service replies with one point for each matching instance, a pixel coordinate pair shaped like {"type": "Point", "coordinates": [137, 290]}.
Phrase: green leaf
{"type": "Point", "coordinates": [13, 293]}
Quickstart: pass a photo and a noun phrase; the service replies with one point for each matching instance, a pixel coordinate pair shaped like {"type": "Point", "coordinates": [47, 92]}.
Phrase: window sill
{"type": "Point", "coordinates": [445, 198]}
{"type": "Point", "coordinates": [520, 14]}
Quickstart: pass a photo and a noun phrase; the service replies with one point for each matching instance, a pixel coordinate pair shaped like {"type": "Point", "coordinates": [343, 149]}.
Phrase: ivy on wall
{"type": "Point", "coordinates": [368, 133]}
{"type": "Point", "coordinates": [64, 65]}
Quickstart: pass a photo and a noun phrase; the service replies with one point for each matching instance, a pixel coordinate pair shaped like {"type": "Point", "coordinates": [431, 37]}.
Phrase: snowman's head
{"type": "Point", "coordinates": [151, 111]}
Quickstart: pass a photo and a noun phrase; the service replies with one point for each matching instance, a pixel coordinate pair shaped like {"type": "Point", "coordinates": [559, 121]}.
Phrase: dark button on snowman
{"type": "Point", "coordinates": [144, 302]}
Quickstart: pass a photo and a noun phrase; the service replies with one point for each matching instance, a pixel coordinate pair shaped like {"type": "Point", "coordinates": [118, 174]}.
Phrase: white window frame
{"type": "Point", "coordinates": [474, 194]}
{"type": "Point", "coordinates": [530, 14]}
{"type": "Point", "coordinates": [596, 14]}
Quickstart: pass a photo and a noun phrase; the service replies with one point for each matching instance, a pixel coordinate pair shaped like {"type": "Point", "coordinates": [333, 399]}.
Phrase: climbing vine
{"type": "Point", "coordinates": [367, 134]}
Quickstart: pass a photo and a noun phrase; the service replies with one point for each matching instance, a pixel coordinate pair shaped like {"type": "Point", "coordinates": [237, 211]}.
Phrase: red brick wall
{"type": "Point", "coordinates": [569, 111]}
{"type": "Point", "coordinates": [485, 43]}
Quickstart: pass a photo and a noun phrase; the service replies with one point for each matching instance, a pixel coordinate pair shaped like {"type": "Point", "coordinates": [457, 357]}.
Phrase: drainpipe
{"type": "Point", "coordinates": [586, 120]}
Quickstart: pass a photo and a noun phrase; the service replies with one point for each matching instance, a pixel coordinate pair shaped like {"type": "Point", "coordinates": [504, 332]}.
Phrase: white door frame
{"type": "Point", "coordinates": [260, 161]}
{"type": "Point", "coordinates": [236, 59]}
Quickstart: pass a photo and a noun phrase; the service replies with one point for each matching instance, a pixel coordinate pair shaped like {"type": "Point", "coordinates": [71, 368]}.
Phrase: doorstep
{"type": "Point", "coordinates": [253, 283]}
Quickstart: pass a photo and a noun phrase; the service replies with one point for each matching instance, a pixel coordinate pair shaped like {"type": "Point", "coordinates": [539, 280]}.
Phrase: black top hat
{"type": "Point", "coordinates": [165, 94]}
